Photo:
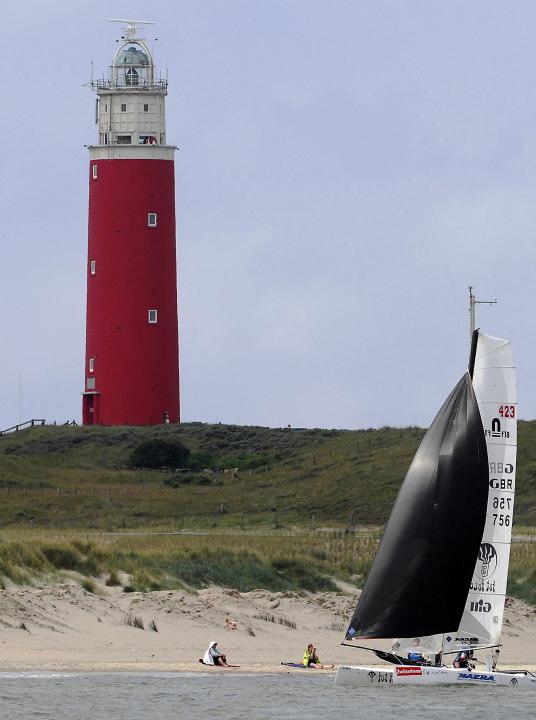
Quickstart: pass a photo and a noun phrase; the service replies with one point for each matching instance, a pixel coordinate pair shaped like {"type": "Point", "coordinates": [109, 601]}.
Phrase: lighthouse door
{"type": "Point", "coordinates": [90, 408]}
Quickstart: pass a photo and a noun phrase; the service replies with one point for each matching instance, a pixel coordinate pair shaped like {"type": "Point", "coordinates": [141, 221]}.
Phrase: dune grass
{"type": "Point", "coordinates": [156, 562]}
{"type": "Point", "coordinates": [277, 561]}
{"type": "Point", "coordinates": [522, 574]}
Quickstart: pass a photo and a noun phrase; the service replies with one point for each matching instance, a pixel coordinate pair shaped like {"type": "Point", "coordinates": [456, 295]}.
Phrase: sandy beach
{"type": "Point", "coordinates": [65, 628]}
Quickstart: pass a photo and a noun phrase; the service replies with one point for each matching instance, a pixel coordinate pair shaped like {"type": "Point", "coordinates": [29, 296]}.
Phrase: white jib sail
{"type": "Point", "coordinates": [494, 382]}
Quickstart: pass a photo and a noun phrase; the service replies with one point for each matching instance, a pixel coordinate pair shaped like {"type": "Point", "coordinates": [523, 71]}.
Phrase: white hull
{"type": "Point", "coordinates": [361, 676]}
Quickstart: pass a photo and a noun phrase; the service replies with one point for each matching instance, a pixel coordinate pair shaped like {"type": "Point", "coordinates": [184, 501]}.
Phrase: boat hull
{"type": "Point", "coordinates": [362, 676]}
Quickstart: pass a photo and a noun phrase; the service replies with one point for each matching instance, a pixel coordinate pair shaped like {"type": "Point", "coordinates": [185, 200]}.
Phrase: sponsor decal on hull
{"type": "Point", "coordinates": [380, 677]}
{"type": "Point", "coordinates": [483, 677]}
{"type": "Point", "coordinates": [401, 671]}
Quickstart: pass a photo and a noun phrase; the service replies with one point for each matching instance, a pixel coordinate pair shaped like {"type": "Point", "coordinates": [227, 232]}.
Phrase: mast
{"type": "Point", "coordinates": [473, 302]}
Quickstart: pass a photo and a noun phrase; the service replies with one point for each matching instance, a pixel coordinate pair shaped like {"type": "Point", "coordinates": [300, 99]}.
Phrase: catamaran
{"type": "Point", "coordinates": [438, 582]}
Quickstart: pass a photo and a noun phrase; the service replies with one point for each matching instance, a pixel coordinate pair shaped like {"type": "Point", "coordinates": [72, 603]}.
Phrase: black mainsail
{"type": "Point", "coordinates": [420, 577]}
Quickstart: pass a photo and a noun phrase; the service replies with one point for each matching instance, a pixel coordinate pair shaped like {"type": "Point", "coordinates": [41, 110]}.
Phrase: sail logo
{"type": "Point", "coordinates": [496, 431]}
{"type": "Point", "coordinates": [480, 606]}
{"type": "Point", "coordinates": [476, 676]}
{"type": "Point", "coordinates": [487, 561]}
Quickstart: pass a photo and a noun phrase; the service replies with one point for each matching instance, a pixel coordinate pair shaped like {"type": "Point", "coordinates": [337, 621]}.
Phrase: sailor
{"type": "Point", "coordinates": [416, 654]}
{"type": "Point", "coordinates": [462, 659]}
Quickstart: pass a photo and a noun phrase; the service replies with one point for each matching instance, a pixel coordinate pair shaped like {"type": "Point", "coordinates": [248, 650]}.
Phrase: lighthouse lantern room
{"type": "Point", "coordinates": [132, 355]}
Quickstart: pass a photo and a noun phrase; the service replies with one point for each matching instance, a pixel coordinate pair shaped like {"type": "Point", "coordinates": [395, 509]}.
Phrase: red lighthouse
{"type": "Point", "coordinates": [132, 354]}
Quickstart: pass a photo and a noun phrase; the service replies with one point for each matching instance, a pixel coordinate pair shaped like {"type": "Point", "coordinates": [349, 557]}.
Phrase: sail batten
{"type": "Point", "coordinates": [421, 574]}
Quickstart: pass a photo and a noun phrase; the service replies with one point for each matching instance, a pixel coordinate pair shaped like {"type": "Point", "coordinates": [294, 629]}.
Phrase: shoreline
{"type": "Point", "coordinates": [164, 668]}
{"type": "Point", "coordinates": [190, 669]}
{"type": "Point", "coordinates": [64, 628]}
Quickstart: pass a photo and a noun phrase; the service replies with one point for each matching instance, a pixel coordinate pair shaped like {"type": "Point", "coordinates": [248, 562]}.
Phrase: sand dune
{"type": "Point", "coordinates": [71, 629]}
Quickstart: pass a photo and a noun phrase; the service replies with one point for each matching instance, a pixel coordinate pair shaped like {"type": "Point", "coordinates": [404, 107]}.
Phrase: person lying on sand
{"type": "Point", "coordinates": [311, 659]}
{"type": "Point", "coordinates": [230, 624]}
{"type": "Point", "coordinates": [214, 657]}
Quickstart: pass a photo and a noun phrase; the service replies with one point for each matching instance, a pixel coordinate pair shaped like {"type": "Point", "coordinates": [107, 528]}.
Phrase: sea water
{"type": "Point", "coordinates": [204, 696]}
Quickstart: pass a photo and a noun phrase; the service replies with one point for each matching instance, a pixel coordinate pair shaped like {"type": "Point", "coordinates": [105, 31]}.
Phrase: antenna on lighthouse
{"type": "Point", "coordinates": [472, 306]}
{"type": "Point", "coordinates": [130, 33]}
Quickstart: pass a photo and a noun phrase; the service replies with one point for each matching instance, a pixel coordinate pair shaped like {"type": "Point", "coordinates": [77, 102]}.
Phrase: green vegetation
{"type": "Point", "coordinates": [257, 477]}
{"type": "Point", "coordinates": [522, 572]}
{"type": "Point", "coordinates": [236, 477]}
{"type": "Point", "coordinates": [159, 453]}
{"type": "Point", "coordinates": [160, 562]}
{"type": "Point", "coordinates": [248, 507]}
{"type": "Point", "coordinates": [277, 561]}
{"type": "Point", "coordinates": [89, 585]}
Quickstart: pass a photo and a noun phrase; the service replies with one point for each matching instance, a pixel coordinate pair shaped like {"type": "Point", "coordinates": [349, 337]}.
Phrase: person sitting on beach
{"type": "Point", "coordinates": [311, 659]}
{"type": "Point", "coordinates": [213, 656]}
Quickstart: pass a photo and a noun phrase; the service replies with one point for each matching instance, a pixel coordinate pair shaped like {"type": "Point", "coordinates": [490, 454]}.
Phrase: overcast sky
{"type": "Point", "coordinates": [346, 169]}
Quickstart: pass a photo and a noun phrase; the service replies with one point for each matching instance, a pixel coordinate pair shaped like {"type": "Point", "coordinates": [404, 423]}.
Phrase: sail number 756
{"type": "Point", "coordinates": [507, 411]}
{"type": "Point", "coordinates": [501, 520]}
{"type": "Point", "coordinates": [503, 503]}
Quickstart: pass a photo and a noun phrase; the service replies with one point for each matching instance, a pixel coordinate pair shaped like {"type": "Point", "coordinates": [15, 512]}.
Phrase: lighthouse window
{"type": "Point", "coordinates": [90, 383]}
{"type": "Point", "coordinates": [146, 108]}
{"type": "Point", "coordinates": [152, 219]}
{"type": "Point", "coordinates": [91, 364]}
{"type": "Point", "coordinates": [123, 107]}
{"type": "Point", "coordinates": [93, 267]}
{"type": "Point", "coordinates": [94, 171]}
{"type": "Point", "coordinates": [132, 76]}
{"type": "Point", "coordinates": [153, 317]}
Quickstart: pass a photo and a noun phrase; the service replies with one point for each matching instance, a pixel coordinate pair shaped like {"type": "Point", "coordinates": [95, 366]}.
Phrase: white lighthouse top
{"type": "Point", "coordinates": [132, 65]}
{"type": "Point", "coordinates": [130, 101]}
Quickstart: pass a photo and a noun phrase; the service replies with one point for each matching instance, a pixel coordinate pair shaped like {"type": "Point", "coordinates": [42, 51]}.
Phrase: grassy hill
{"type": "Point", "coordinates": [297, 512]}
{"type": "Point", "coordinates": [75, 477]}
